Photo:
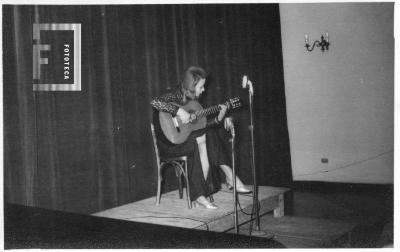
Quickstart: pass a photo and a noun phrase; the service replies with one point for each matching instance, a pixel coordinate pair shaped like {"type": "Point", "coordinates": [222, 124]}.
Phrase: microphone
{"type": "Point", "coordinates": [247, 83]}
{"type": "Point", "coordinates": [251, 90]}
{"type": "Point", "coordinates": [244, 81]}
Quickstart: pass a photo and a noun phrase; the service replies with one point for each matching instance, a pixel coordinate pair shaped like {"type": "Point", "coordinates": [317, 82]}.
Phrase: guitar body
{"type": "Point", "coordinates": [177, 132]}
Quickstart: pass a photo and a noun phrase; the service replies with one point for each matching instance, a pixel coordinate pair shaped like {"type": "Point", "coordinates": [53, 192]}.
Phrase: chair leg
{"type": "Point", "coordinates": [179, 176]}
{"type": "Point", "coordinates": [159, 179]}
{"type": "Point", "coordinates": [178, 172]}
{"type": "Point", "coordinates": [187, 187]}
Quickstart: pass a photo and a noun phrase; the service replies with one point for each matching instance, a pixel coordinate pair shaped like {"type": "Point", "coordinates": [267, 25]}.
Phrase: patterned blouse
{"type": "Point", "coordinates": [164, 103]}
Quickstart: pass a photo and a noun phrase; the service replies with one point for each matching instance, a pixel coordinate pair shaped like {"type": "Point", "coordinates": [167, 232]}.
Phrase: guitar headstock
{"type": "Point", "coordinates": [234, 103]}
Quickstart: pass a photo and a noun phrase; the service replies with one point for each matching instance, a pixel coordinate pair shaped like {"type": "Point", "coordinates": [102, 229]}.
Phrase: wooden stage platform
{"type": "Point", "coordinates": [173, 211]}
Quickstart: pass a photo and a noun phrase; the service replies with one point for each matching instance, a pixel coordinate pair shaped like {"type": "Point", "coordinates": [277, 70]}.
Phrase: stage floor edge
{"type": "Point", "coordinates": [173, 211]}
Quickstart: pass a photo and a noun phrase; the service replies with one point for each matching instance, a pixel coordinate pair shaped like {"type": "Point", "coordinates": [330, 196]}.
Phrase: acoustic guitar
{"type": "Point", "coordinates": [177, 132]}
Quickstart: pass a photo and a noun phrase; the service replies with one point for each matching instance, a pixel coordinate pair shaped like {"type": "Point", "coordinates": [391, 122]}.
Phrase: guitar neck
{"type": "Point", "coordinates": [208, 111]}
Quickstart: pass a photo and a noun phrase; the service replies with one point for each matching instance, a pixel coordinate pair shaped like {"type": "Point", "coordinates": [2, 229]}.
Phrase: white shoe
{"type": "Point", "coordinates": [239, 189]}
{"type": "Point", "coordinates": [203, 202]}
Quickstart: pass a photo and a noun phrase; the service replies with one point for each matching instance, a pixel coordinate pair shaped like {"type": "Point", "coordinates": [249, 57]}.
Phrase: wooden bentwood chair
{"type": "Point", "coordinates": [180, 165]}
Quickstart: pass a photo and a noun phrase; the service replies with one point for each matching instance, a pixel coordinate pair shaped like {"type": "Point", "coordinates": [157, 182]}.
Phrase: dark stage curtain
{"type": "Point", "coordinates": [85, 151]}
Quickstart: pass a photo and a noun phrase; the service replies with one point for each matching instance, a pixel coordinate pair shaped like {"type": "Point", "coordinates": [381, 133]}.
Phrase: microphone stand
{"type": "Point", "coordinates": [232, 140]}
{"type": "Point", "coordinates": [255, 188]}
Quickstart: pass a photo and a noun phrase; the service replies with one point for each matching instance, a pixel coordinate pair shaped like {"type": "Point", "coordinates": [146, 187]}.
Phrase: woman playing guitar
{"type": "Point", "coordinates": [203, 146]}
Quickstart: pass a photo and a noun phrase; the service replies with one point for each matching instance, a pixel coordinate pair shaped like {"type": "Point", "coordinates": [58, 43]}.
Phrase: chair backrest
{"type": "Point", "coordinates": [153, 134]}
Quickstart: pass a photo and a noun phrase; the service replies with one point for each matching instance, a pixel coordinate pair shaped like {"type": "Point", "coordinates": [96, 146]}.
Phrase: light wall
{"type": "Point", "coordinates": [340, 103]}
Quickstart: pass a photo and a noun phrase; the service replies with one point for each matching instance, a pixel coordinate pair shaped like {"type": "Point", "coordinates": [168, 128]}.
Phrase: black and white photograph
{"type": "Point", "coordinates": [198, 125]}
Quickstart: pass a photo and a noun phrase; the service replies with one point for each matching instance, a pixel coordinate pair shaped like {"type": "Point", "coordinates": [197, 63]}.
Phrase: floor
{"type": "Point", "coordinates": [173, 211]}
{"type": "Point", "coordinates": [328, 216]}
{"type": "Point", "coordinates": [332, 219]}
{"type": "Point", "coordinates": [28, 227]}
{"type": "Point", "coordinates": [335, 218]}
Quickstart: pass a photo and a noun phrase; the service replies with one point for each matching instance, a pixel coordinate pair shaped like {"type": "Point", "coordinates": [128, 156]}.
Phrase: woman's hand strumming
{"type": "Point", "coordinates": [183, 115]}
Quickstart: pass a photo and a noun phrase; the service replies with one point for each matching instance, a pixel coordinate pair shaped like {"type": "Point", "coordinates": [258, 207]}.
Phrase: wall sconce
{"type": "Point", "coordinates": [323, 43]}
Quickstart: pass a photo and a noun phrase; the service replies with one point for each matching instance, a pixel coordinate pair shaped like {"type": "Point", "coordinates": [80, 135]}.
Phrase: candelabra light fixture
{"type": "Point", "coordinates": [323, 43]}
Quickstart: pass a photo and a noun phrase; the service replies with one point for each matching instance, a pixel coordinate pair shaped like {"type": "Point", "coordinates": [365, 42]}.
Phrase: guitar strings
{"type": "Point", "coordinates": [207, 111]}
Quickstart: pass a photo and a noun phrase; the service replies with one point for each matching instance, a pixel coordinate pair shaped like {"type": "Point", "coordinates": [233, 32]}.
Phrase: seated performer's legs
{"type": "Point", "coordinates": [219, 156]}
{"type": "Point", "coordinates": [229, 178]}
{"type": "Point", "coordinates": [201, 142]}
{"type": "Point", "coordinates": [200, 185]}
